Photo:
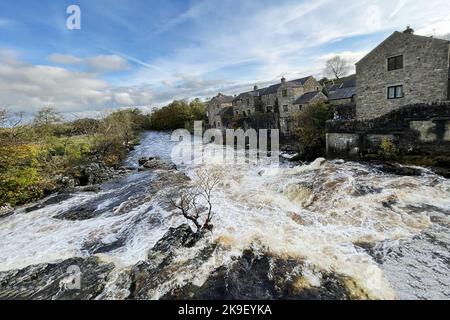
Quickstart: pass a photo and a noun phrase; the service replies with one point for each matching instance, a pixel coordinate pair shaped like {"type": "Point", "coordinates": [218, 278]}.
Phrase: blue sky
{"type": "Point", "coordinates": [146, 53]}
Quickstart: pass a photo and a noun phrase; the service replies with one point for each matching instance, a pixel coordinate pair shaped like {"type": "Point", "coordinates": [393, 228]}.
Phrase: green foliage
{"type": "Point", "coordinates": [388, 149]}
{"type": "Point", "coordinates": [310, 128]}
{"type": "Point", "coordinates": [34, 156]}
{"type": "Point", "coordinates": [178, 114]}
{"type": "Point", "coordinates": [19, 174]}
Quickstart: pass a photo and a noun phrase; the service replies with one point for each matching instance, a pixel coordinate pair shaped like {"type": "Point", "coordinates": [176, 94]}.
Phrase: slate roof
{"type": "Point", "coordinates": [226, 111]}
{"type": "Point", "coordinates": [306, 98]}
{"type": "Point", "coordinates": [274, 88]}
{"type": "Point", "coordinates": [333, 87]}
{"type": "Point", "coordinates": [248, 94]}
{"type": "Point", "coordinates": [223, 98]}
{"type": "Point", "coordinates": [342, 93]}
{"type": "Point", "coordinates": [271, 89]}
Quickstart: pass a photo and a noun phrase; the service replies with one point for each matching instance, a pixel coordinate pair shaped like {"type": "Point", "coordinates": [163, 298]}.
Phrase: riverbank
{"type": "Point", "coordinates": [50, 155]}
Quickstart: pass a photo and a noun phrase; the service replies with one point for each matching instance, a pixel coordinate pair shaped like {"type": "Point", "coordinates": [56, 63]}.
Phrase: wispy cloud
{"type": "Point", "coordinates": [100, 63]}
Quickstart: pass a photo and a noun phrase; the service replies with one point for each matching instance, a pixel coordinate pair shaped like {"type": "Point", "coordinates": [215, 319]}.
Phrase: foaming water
{"type": "Point", "coordinates": [388, 233]}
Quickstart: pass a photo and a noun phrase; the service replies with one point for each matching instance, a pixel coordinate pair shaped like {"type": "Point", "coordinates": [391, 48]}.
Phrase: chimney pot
{"type": "Point", "coordinates": [255, 88]}
{"type": "Point", "coordinates": [283, 80]}
{"type": "Point", "coordinates": [409, 30]}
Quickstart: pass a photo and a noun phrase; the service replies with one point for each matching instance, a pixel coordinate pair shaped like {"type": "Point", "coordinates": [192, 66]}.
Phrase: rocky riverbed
{"type": "Point", "coordinates": [325, 230]}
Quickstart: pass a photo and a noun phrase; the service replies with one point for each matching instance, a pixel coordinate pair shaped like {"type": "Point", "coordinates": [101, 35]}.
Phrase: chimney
{"type": "Point", "coordinates": [283, 80]}
{"type": "Point", "coordinates": [409, 30]}
{"type": "Point", "coordinates": [255, 88]}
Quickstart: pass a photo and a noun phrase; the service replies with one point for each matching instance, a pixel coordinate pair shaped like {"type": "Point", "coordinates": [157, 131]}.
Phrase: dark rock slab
{"type": "Point", "coordinates": [159, 267]}
{"type": "Point", "coordinates": [50, 281]}
{"type": "Point", "coordinates": [264, 277]}
{"type": "Point", "coordinates": [397, 169]}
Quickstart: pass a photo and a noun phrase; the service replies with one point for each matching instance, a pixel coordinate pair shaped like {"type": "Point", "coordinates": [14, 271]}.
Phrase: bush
{"type": "Point", "coordinates": [388, 149]}
{"type": "Point", "coordinates": [310, 129]}
{"type": "Point", "coordinates": [20, 179]}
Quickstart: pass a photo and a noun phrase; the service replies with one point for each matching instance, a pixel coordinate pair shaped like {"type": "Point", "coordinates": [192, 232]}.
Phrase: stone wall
{"type": "Point", "coordinates": [259, 121]}
{"type": "Point", "coordinates": [424, 75]}
{"type": "Point", "coordinates": [414, 129]}
{"type": "Point", "coordinates": [245, 105]}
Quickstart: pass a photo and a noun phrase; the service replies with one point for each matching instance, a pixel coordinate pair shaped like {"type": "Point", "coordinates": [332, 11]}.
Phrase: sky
{"type": "Point", "coordinates": [147, 53]}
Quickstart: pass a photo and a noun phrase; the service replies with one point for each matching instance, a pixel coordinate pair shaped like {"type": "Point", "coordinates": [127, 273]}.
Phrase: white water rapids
{"type": "Point", "coordinates": [388, 233]}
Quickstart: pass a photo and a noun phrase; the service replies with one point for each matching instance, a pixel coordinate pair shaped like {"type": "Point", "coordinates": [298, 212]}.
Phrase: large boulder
{"type": "Point", "coordinates": [94, 173]}
{"type": "Point", "coordinates": [157, 164]}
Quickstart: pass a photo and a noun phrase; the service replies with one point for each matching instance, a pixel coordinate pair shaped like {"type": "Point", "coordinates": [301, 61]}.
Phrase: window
{"type": "Point", "coordinates": [269, 109]}
{"type": "Point", "coordinates": [395, 92]}
{"type": "Point", "coordinates": [249, 112]}
{"type": "Point", "coordinates": [286, 108]}
{"type": "Point", "coordinates": [248, 102]}
{"type": "Point", "coordinates": [395, 63]}
{"type": "Point", "coordinates": [284, 93]}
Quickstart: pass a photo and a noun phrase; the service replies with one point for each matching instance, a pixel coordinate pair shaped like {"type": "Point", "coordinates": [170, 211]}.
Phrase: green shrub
{"type": "Point", "coordinates": [388, 149]}
{"type": "Point", "coordinates": [310, 130]}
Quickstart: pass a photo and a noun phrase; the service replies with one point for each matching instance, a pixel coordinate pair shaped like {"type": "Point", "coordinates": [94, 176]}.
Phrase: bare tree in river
{"type": "Point", "coordinates": [195, 202]}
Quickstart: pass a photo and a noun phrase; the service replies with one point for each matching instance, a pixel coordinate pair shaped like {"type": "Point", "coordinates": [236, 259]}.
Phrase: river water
{"type": "Point", "coordinates": [388, 233]}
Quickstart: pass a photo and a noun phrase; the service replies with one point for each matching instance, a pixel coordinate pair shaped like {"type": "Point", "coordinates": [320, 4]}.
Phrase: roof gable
{"type": "Point", "coordinates": [396, 35]}
{"type": "Point", "coordinates": [223, 98]}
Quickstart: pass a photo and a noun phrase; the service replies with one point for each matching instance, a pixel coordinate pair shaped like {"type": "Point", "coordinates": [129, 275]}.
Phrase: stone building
{"type": "Point", "coordinates": [404, 69]}
{"type": "Point", "coordinates": [247, 103]}
{"type": "Point", "coordinates": [214, 108]}
{"type": "Point", "coordinates": [283, 99]}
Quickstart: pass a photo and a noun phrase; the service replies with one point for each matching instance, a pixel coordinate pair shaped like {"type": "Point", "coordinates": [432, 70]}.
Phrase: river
{"type": "Point", "coordinates": [388, 233]}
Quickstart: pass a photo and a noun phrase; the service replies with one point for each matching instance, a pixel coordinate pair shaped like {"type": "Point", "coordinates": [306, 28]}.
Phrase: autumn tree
{"type": "Point", "coordinates": [336, 67]}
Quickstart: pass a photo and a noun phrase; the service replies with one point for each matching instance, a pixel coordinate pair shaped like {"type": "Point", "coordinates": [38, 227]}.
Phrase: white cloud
{"type": "Point", "coordinates": [64, 59]}
{"type": "Point", "coordinates": [100, 63]}
{"type": "Point", "coordinates": [30, 87]}
{"type": "Point", "coordinates": [107, 63]}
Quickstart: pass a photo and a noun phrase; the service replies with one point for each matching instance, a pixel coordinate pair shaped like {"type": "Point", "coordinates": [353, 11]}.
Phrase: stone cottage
{"type": "Point", "coordinates": [404, 69]}
{"type": "Point", "coordinates": [283, 99]}
{"type": "Point", "coordinates": [214, 108]}
{"type": "Point", "coordinates": [247, 103]}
